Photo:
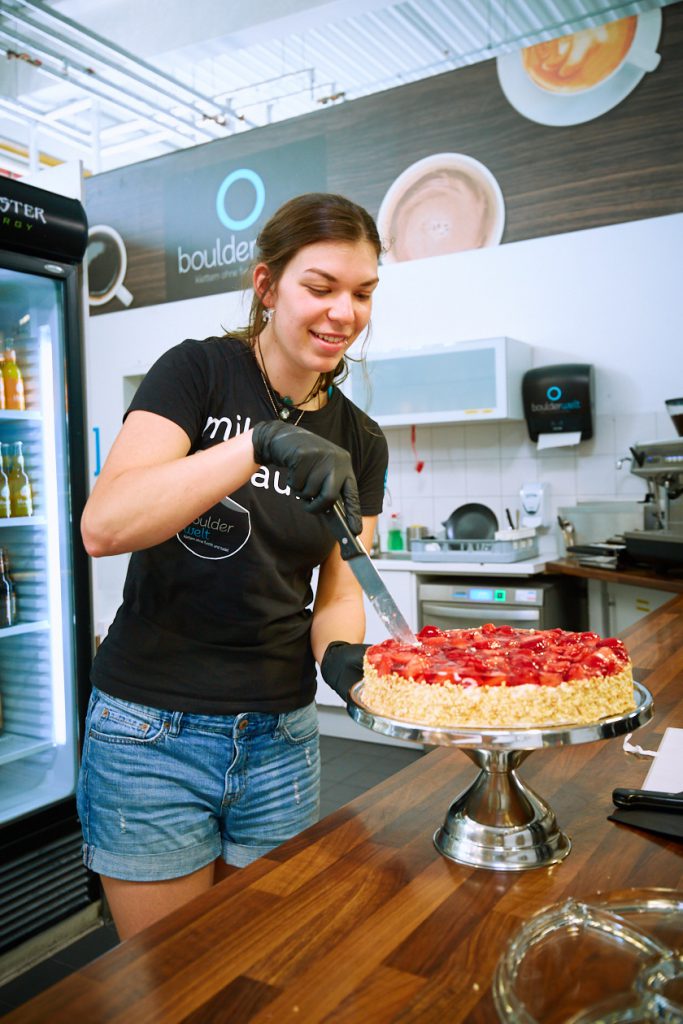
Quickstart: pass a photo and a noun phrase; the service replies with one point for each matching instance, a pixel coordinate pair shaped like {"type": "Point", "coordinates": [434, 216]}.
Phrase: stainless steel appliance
{"type": "Point", "coordinates": [457, 603]}
{"type": "Point", "coordinates": [660, 464]}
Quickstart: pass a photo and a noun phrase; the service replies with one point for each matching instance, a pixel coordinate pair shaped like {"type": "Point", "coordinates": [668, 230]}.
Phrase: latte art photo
{"type": "Point", "coordinates": [498, 676]}
{"type": "Point", "coordinates": [582, 60]}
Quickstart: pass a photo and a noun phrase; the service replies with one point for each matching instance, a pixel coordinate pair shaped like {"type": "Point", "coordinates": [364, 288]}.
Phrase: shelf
{"type": "Point", "coordinates": [12, 746]}
{"type": "Point", "coordinates": [20, 414]}
{"type": "Point", "coordinates": [24, 627]}
{"type": "Point", "coordinates": [23, 521]}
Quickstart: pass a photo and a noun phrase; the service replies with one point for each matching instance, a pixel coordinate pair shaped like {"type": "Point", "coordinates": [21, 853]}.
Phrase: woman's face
{"type": "Point", "coordinates": [322, 303]}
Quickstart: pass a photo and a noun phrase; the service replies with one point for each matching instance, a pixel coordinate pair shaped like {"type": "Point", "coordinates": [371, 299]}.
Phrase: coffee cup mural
{"type": "Point", "coordinates": [589, 58]}
{"type": "Point", "coordinates": [106, 263]}
{"type": "Point", "coordinates": [577, 77]}
{"type": "Point", "coordinates": [444, 203]}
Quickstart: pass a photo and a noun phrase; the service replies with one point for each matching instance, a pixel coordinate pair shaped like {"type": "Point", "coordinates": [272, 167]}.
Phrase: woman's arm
{"type": "Point", "coordinates": [338, 612]}
{"type": "Point", "coordinates": [149, 488]}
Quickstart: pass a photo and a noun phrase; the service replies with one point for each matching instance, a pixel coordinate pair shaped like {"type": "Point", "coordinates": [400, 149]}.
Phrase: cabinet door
{"type": "Point", "coordinates": [613, 607]}
{"type": "Point", "coordinates": [401, 586]}
{"type": "Point", "coordinates": [629, 604]}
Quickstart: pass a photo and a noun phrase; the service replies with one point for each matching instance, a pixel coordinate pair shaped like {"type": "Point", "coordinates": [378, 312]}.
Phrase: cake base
{"type": "Point", "coordinates": [478, 830]}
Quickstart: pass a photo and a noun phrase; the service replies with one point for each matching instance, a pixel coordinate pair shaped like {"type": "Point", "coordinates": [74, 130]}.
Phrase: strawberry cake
{"type": "Point", "coordinates": [498, 676]}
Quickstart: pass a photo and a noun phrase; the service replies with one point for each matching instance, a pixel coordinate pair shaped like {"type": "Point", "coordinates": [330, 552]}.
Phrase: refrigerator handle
{"type": "Point", "coordinates": [96, 432]}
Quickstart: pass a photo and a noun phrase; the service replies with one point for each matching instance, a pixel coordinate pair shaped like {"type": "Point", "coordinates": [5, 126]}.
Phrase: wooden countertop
{"type": "Point", "coordinates": [637, 576]}
{"type": "Point", "coordinates": [360, 920]}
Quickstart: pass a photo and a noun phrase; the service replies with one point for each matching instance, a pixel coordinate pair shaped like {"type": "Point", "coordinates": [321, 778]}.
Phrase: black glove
{"type": "Point", "coordinates": [342, 665]}
{"type": "Point", "coordinates": [319, 471]}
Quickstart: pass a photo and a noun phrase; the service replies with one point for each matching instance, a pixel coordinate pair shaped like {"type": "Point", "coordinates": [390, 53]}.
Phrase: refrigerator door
{"type": "Point", "coordinates": [40, 645]}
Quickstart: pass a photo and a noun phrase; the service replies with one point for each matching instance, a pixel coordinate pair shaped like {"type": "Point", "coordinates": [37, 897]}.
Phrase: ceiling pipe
{"type": "Point", "coordinates": [88, 83]}
{"type": "Point", "coordinates": [80, 77]}
{"type": "Point", "coordinates": [136, 62]}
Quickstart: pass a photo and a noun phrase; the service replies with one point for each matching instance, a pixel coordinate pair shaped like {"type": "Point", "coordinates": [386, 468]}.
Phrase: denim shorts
{"type": "Point", "coordinates": [162, 793]}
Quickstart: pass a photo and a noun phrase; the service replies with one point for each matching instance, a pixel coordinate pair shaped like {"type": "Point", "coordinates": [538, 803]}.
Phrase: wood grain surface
{"type": "Point", "coordinates": [360, 919]}
{"type": "Point", "coordinates": [638, 576]}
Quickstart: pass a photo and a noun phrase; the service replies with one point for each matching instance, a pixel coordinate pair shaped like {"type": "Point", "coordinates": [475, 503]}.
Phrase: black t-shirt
{"type": "Point", "coordinates": [215, 620]}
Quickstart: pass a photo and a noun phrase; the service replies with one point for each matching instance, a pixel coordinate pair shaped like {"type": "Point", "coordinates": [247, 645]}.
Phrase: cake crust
{"type": "Point", "coordinates": [464, 691]}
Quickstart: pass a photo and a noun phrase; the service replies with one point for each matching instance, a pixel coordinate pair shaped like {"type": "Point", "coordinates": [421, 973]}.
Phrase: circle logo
{"type": "Point", "coordinates": [242, 174]}
{"type": "Point", "coordinates": [554, 394]}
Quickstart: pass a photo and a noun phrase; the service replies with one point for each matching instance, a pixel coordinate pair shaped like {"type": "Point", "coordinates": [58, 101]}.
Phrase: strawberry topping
{"type": "Point", "coordinates": [499, 656]}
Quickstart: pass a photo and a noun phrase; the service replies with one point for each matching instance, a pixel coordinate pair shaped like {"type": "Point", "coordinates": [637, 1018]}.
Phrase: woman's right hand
{"type": "Point", "coordinates": [319, 470]}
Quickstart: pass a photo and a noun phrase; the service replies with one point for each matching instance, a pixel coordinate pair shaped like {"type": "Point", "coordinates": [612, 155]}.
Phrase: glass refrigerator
{"type": "Point", "coordinates": [45, 607]}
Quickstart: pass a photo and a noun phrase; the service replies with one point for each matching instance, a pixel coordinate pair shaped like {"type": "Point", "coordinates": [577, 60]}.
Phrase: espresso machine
{"type": "Point", "coordinates": [660, 465]}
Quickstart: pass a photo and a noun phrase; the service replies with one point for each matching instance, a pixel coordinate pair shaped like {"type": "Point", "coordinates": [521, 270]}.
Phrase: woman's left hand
{"type": "Point", "coordinates": [342, 665]}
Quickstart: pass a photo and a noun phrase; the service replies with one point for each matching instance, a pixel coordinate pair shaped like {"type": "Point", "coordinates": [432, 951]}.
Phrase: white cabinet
{"type": "Point", "coordinates": [401, 585]}
{"type": "Point", "coordinates": [613, 607]}
{"type": "Point", "coordinates": [470, 381]}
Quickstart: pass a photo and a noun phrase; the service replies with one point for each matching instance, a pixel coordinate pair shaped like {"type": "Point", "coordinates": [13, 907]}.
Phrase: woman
{"type": "Point", "coordinates": [201, 741]}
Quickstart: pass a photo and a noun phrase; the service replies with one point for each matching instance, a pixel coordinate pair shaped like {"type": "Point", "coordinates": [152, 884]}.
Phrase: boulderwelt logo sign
{"type": "Point", "coordinates": [213, 213]}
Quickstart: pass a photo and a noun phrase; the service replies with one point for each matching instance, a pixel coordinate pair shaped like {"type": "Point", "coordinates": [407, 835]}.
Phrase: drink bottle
{"type": "Point", "coordinates": [5, 503]}
{"type": "Point", "coordinates": [12, 586]}
{"type": "Point", "coordinates": [13, 381]}
{"type": "Point", "coordinates": [20, 493]}
{"type": "Point", "coordinates": [6, 618]}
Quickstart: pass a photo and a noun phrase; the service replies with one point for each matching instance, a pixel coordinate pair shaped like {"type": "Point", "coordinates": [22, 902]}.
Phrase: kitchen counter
{"type": "Point", "coordinates": [360, 921]}
{"type": "Point", "coordinates": [638, 576]}
{"type": "Point", "coordinates": [526, 568]}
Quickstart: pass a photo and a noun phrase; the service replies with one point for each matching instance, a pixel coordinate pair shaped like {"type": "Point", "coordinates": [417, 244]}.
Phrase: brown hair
{"type": "Point", "coordinates": [305, 220]}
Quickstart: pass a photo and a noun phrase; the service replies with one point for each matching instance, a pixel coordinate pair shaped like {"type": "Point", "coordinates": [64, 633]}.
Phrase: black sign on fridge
{"type": "Point", "coordinates": [45, 627]}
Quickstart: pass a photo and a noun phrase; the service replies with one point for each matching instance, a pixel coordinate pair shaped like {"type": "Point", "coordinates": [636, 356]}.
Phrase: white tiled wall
{"type": "Point", "coordinates": [489, 462]}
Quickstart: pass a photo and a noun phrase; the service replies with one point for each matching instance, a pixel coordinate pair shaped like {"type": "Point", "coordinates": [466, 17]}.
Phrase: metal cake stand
{"type": "Point", "coordinates": [499, 822]}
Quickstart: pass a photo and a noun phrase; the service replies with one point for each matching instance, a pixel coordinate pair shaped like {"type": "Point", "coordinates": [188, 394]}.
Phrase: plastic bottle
{"type": "Point", "coordinates": [13, 381]}
{"type": "Point", "coordinates": [5, 502]}
{"type": "Point", "coordinates": [394, 534]}
{"type": "Point", "coordinates": [21, 495]}
{"type": "Point", "coordinates": [6, 618]}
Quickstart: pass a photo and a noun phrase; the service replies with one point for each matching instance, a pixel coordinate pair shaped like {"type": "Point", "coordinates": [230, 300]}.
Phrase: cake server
{"type": "Point", "coordinates": [353, 552]}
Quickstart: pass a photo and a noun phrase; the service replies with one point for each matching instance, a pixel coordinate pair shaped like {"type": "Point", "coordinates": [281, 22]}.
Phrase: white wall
{"type": "Point", "coordinates": [609, 296]}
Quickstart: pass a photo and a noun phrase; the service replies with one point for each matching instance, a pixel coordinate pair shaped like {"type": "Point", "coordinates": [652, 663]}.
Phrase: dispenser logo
{"type": "Point", "coordinates": [213, 213]}
{"type": "Point", "coordinates": [553, 394]}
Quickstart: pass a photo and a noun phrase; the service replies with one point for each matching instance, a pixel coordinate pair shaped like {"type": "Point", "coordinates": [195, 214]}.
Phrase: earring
{"type": "Point", "coordinates": [267, 315]}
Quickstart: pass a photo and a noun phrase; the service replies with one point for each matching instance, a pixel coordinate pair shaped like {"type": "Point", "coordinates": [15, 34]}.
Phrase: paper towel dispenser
{"type": "Point", "coordinates": [558, 400]}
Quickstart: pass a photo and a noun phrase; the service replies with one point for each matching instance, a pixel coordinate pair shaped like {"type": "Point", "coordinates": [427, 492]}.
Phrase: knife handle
{"type": "Point", "coordinates": [647, 799]}
{"type": "Point", "coordinates": [348, 542]}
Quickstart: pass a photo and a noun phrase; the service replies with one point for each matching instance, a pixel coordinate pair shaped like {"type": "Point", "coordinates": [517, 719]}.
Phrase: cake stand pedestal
{"type": "Point", "coordinates": [499, 822]}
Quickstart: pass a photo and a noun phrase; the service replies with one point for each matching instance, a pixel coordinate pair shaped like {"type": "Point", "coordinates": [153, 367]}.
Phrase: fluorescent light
{"type": "Point", "coordinates": [52, 515]}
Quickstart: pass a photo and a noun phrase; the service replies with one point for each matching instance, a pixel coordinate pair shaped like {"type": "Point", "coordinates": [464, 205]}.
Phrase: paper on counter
{"type": "Point", "coordinates": [666, 771]}
{"type": "Point", "coordinates": [559, 440]}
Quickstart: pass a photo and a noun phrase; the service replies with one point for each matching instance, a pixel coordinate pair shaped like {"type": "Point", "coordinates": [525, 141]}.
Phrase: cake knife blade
{"type": "Point", "coordinates": [354, 554]}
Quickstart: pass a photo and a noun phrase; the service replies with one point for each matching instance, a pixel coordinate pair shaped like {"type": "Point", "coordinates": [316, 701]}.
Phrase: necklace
{"type": "Point", "coordinates": [286, 404]}
{"type": "Point", "coordinates": [283, 413]}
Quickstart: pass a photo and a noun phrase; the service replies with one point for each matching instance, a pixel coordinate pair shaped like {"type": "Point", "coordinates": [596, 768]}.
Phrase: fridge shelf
{"type": "Point", "coordinates": [23, 521]}
{"type": "Point", "coordinates": [20, 414]}
{"type": "Point", "coordinates": [24, 627]}
{"type": "Point", "coordinates": [13, 747]}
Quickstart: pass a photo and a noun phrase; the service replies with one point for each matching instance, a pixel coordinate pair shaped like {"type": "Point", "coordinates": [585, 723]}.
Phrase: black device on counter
{"type": "Point", "coordinates": [558, 399]}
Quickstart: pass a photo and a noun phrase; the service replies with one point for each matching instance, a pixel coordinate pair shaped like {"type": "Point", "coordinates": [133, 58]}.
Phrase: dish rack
{"type": "Point", "coordinates": [442, 550]}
